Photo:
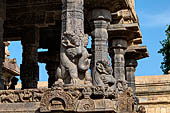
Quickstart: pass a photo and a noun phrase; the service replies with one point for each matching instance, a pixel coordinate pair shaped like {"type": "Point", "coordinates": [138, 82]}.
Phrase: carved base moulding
{"type": "Point", "coordinates": [66, 99]}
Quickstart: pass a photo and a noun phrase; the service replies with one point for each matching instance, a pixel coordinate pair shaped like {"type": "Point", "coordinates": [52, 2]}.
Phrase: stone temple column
{"type": "Point", "coordinates": [118, 44]}
{"type": "Point", "coordinates": [133, 53]}
{"type": "Point", "coordinates": [29, 67]}
{"type": "Point", "coordinates": [73, 16]}
{"type": "Point", "coordinates": [2, 18]}
{"type": "Point", "coordinates": [131, 65]}
{"type": "Point", "coordinates": [72, 39]}
{"type": "Point", "coordinates": [100, 19]}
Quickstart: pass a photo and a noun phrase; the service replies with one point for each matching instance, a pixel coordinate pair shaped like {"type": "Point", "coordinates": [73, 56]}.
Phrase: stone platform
{"type": "Point", "coordinates": [67, 99]}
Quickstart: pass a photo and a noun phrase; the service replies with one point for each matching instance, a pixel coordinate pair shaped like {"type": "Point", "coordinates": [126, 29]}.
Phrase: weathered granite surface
{"type": "Point", "coordinates": [153, 93]}
{"type": "Point", "coordinates": [80, 99]}
{"type": "Point", "coordinates": [80, 79]}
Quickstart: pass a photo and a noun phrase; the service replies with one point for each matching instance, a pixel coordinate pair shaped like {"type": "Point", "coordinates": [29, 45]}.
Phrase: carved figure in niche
{"type": "Point", "coordinates": [103, 74]}
{"type": "Point", "coordinates": [74, 59]}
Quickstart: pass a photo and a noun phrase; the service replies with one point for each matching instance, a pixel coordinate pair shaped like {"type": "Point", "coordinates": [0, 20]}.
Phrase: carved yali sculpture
{"type": "Point", "coordinates": [74, 59]}
{"type": "Point", "coordinates": [103, 74]}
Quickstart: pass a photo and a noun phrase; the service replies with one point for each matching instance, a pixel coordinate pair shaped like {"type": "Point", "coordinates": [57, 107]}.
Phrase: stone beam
{"type": "Point", "coordinates": [45, 12]}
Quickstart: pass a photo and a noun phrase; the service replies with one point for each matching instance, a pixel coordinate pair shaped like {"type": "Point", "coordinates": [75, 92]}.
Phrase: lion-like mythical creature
{"type": "Point", "coordinates": [74, 59]}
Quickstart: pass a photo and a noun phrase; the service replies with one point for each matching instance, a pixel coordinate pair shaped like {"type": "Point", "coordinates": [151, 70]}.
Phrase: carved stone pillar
{"type": "Point", "coordinates": [2, 18]}
{"type": "Point", "coordinates": [73, 53]}
{"type": "Point", "coordinates": [131, 65]}
{"type": "Point", "coordinates": [73, 16]}
{"type": "Point", "coordinates": [133, 53]}
{"type": "Point", "coordinates": [100, 19]}
{"type": "Point", "coordinates": [29, 67]}
{"type": "Point", "coordinates": [117, 51]}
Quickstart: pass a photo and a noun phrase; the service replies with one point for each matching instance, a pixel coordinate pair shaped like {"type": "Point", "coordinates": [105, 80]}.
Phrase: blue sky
{"type": "Point", "coordinates": [154, 16]}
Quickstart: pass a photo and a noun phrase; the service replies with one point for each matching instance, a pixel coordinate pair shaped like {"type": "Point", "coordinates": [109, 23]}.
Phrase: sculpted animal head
{"type": "Point", "coordinates": [72, 44]}
{"type": "Point", "coordinates": [70, 40]}
{"type": "Point", "coordinates": [103, 67]}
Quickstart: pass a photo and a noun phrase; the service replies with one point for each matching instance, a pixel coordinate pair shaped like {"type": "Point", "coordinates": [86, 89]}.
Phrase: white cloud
{"type": "Point", "coordinates": [154, 20]}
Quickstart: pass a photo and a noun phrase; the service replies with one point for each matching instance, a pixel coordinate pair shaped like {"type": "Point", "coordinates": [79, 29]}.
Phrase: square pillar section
{"type": "Point", "coordinates": [74, 57]}
{"type": "Point", "coordinates": [29, 67]}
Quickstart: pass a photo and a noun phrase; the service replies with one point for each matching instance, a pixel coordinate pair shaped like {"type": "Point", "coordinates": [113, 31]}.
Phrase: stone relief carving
{"type": "Point", "coordinates": [57, 100]}
{"type": "Point", "coordinates": [69, 98]}
{"type": "Point", "coordinates": [21, 96]}
{"type": "Point", "coordinates": [121, 86]}
{"type": "Point", "coordinates": [72, 99]}
{"type": "Point", "coordinates": [106, 83]}
{"type": "Point", "coordinates": [74, 59]}
{"type": "Point", "coordinates": [124, 99]}
{"type": "Point", "coordinates": [86, 105]}
{"type": "Point", "coordinates": [103, 74]}
{"type": "Point", "coordinates": [141, 109]}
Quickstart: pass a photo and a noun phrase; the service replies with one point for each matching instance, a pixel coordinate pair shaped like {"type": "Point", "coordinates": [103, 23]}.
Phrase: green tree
{"type": "Point", "coordinates": [165, 51]}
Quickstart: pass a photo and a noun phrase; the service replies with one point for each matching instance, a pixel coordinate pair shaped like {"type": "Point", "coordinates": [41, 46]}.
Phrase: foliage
{"type": "Point", "coordinates": [165, 51]}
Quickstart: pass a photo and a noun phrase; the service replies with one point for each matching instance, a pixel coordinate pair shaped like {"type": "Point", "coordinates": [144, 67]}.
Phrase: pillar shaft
{"type": "Point", "coordinates": [2, 18]}
{"type": "Point", "coordinates": [75, 63]}
{"type": "Point", "coordinates": [99, 19]}
{"type": "Point", "coordinates": [99, 46]}
{"type": "Point", "coordinates": [73, 16]}
{"type": "Point", "coordinates": [29, 67]}
{"type": "Point", "coordinates": [118, 47]}
{"type": "Point", "coordinates": [131, 65]}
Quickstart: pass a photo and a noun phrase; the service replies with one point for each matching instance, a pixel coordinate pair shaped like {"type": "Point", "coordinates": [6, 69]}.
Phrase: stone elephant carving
{"type": "Point", "coordinates": [74, 59]}
{"type": "Point", "coordinates": [103, 74]}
